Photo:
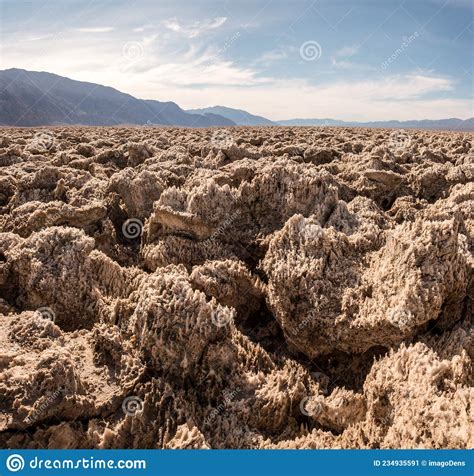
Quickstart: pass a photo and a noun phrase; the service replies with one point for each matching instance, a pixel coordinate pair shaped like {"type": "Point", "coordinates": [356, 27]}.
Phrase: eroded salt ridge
{"type": "Point", "coordinates": [236, 288]}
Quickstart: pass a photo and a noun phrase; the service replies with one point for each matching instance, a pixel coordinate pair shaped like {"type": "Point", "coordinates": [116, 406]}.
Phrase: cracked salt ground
{"type": "Point", "coordinates": [246, 288]}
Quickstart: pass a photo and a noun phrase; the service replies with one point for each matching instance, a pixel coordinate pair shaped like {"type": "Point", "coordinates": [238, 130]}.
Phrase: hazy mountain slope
{"type": "Point", "coordinates": [240, 117]}
{"type": "Point", "coordinates": [37, 98]}
{"type": "Point", "coordinates": [440, 124]}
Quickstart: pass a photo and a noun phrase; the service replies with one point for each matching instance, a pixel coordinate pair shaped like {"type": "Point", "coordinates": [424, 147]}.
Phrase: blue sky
{"type": "Point", "coordinates": [353, 60]}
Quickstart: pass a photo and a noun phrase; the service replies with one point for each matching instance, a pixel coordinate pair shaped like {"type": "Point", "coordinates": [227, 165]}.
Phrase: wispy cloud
{"type": "Point", "coordinates": [347, 51]}
{"type": "Point", "coordinates": [395, 97]}
{"type": "Point", "coordinates": [351, 65]}
{"type": "Point", "coordinates": [212, 59]}
{"type": "Point", "coordinates": [194, 67]}
{"type": "Point", "coordinates": [101, 29]}
{"type": "Point", "coordinates": [275, 55]}
{"type": "Point", "coordinates": [142, 28]}
{"type": "Point", "coordinates": [40, 37]}
{"type": "Point", "coordinates": [194, 29]}
{"type": "Point", "coordinates": [192, 82]}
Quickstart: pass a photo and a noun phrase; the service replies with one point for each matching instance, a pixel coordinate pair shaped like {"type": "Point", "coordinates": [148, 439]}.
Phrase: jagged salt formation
{"type": "Point", "coordinates": [241, 288]}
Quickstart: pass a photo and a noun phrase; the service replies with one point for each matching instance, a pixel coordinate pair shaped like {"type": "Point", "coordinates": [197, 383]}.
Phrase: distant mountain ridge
{"type": "Point", "coordinates": [244, 118]}
{"type": "Point", "coordinates": [454, 124]}
{"type": "Point", "coordinates": [240, 117]}
{"type": "Point", "coordinates": [37, 98]}
{"type": "Point", "coordinates": [30, 98]}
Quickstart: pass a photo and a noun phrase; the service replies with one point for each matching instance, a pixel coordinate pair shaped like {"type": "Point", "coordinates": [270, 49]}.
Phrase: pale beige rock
{"type": "Point", "coordinates": [286, 288]}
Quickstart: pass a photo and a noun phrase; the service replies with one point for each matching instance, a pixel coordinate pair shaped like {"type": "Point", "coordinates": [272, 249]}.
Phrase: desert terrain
{"type": "Point", "coordinates": [236, 288]}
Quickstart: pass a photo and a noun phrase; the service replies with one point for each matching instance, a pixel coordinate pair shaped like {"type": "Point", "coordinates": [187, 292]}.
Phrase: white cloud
{"type": "Point", "coordinates": [198, 77]}
{"type": "Point", "coordinates": [103, 29]}
{"type": "Point", "coordinates": [276, 55]}
{"type": "Point", "coordinates": [192, 68]}
{"type": "Point", "coordinates": [398, 97]}
{"type": "Point", "coordinates": [194, 29]}
{"type": "Point", "coordinates": [347, 51]}
{"type": "Point", "coordinates": [350, 65]}
{"type": "Point", "coordinates": [142, 28]}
